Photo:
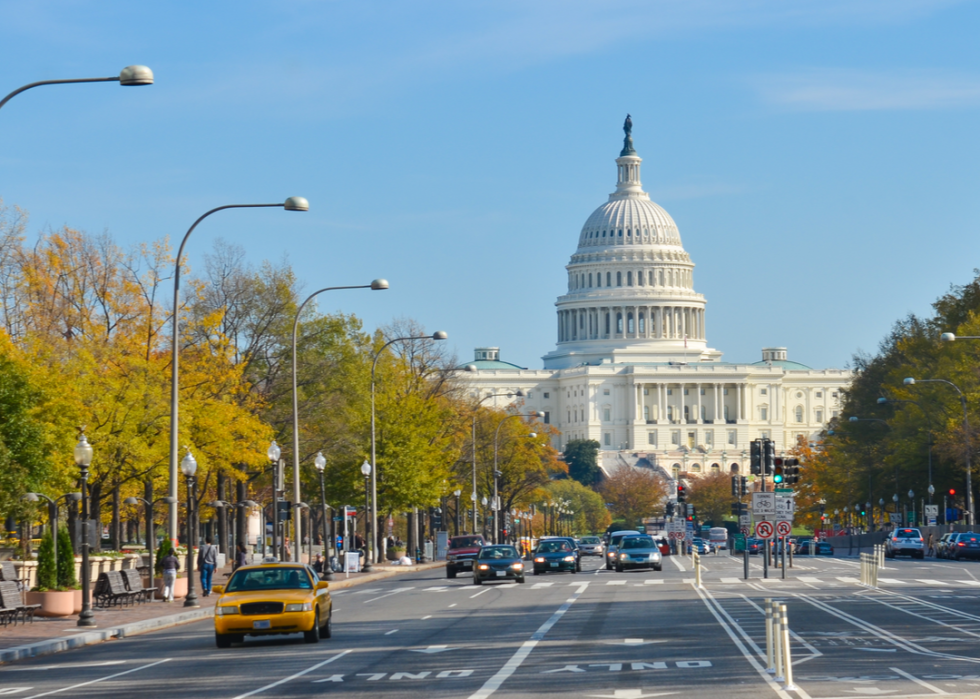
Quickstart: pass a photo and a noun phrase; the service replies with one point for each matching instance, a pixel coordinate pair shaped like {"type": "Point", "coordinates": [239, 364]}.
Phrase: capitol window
{"type": "Point", "coordinates": [603, 234]}
{"type": "Point", "coordinates": [547, 416]}
{"type": "Point", "coordinates": [590, 280]}
{"type": "Point", "coordinates": [652, 438]}
{"type": "Point", "coordinates": [620, 232]}
{"type": "Point", "coordinates": [629, 279]}
{"type": "Point", "coordinates": [646, 412]}
{"type": "Point", "coordinates": [675, 437]}
{"type": "Point", "coordinates": [619, 323]}
{"type": "Point", "coordinates": [547, 395]}
{"type": "Point", "coordinates": [733, 437]}
{"type": "Point", "coordinates": [608, 278]}
{"type": "Point", "coordinates": [639, 278]}
{"type": "Point", "coordinates": [819, 394]}
{"type": "Point", "coordinates": [629, 323]}
{"type": "Point", "coordinates": [605, 391]}
{"type": "Point", "coordinates": [763, 413]}
{"type": "Point", "coordinates": [819, 416]}
{"type": "Point", "coordinates": [619, 278]}
{"type": "Point", "coordinates": [642, 323]}
{"type": "Point", "coordinates": [763, 391]}
{"type": "Point", "coordinates": [799, 413]}
{"type": "Point", "coordinates": [607, 439]}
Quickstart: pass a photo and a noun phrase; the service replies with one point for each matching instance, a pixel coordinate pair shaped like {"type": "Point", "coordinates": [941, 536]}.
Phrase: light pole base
{"type": "Point", "coordinates": [87, 622]}
{"type": "Point", "coordinates": [191, 601]}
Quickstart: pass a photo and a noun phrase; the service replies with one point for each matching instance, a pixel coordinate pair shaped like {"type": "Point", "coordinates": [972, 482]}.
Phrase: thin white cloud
{"type": "Point", "coordinates": [850, 91]}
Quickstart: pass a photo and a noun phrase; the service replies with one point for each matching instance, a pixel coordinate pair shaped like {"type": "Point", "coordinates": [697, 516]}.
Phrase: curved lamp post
{"type": "Point", "coordinates": [966, 432]}
{"type": "Point", "coordinates": [291, 204]}
{"type": "Point", "coordinates": [150, 539]}
{"type": "Point", "coordinates": [129, 76]}
{"type": "Point", "coordinates": [496, 473]}
{"type": "Point", "coordinates": [52, 513]}
{"type": "Point", "coordinates": [376, 285]}
{"type": "Point", "coordinates": [438, 335]}
{"type": "Point", "coordinates": [188, 466]}
{"type": "Point", "coordinates": [83, 458]}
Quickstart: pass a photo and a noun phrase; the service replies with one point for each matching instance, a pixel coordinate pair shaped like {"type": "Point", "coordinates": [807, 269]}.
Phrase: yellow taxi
{"type": "Point", "coordinates": [272, 598]}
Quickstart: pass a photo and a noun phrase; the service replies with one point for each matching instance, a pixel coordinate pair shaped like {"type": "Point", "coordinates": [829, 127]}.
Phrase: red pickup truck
{"type": "Point", "coordinates": [462, 551]}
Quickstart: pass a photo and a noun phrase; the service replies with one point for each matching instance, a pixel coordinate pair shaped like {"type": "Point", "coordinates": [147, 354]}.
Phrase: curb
{"type": "Point", "coordinates": [88, 638]}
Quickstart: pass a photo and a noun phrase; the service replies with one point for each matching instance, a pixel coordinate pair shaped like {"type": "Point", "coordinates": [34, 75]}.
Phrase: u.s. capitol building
{"type": "Point", "coordinates": [632, 368]}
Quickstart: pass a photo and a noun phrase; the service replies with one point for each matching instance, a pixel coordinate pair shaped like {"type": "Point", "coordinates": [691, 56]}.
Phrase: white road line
{"type": "Point", "coordinates": [849, 580]}
{"type": "Point", "coordinates": [892, 581]}
{"type": "Point", "coordinates": [810, 580]}
{"type": "Point", "coordinates": [494, 683]}
{"type": "Point", "coordinates": [535, 586]}
{"type": "Point", "coordinates": [429, 616]}
{"type": "Point", "coordinates": [394, 592]}
{"type": "Point", "coordinates": [452, 605]}
{"type": "Point", "coordinates": [616, 582]}
{"type": "Point", "coordinates": [101, 679]}
{"type": "Point", "coordinates": [921, 683]}
{"type": "Point", "coordinates": [653, 582]}
{"type": "Point", "coordinates": [388, 633]}
{"type": "Point", "coordinates": [486, 589]}
{"type": "Point", "coordinates": [731, 581]}
{"type": "Point", "coordinates": [932, 582]}
{"type": "Point", "coordinates": [293, 677]}
{"type": "Point", "coordinates": [678, 564]}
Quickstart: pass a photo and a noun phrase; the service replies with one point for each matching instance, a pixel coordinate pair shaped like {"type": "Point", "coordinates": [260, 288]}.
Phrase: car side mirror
{"type": "Point", "coordinates": [321, 585]}
{"type": "Point", "coordinates": [220, 589]}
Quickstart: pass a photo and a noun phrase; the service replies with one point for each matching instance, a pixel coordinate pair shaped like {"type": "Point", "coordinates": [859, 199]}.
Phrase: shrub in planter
{"type": "Point", "coordinates": [166, 548]}
{"type": "Point", "coordinates": [47, 567]}
{"type": "Point", "coordinates": [66, 561]}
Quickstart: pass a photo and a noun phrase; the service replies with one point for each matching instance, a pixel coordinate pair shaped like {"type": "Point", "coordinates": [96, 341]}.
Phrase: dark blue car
{"type": "Point", "coordinates": [553, 556]}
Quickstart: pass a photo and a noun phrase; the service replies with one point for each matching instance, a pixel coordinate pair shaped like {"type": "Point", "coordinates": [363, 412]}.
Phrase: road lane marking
{"type": "Point", "coordinates": [293, 677]}
{"type": "Point", "coordinates": [616, 582]}
{"type": "Point", "coordinates": [933, 582]}
{"type": "Point", "coordinates": [849, 580]}
{"type": "Point", "coordinates": [394, 592]}
{"type": "Point", "coordinates": [388, 633]}
{"type": "Point", "coordinates": [653, 582]}
{"type": "Point", "coordinates": [921, 683]}
{"type": "Point", "coordinates": [101, 679]}
{"type": "Point", "coordinates": [678, 564]}
{"type": "Point", "coordinates": [486, 589]}
{"type": "Point", "coordinates": [494, 683]}
{"type": "Point", "coordinates": [893, 581]}
{"type": "Point", "coordinates": [810, 580]}
{"type": "Point", "coordinates": [731, 581]}
{"type": "Point", "coordinates": [536, 586]}
{"type": "Point", "coordinates": [429, 616]}
{"type": "Point", "coordinates": [452, 605]}
{"type": "Point", "coordinates": [66, 666]}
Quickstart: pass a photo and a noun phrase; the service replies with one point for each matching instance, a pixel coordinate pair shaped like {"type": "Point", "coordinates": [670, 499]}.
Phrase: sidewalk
{"type": "Point", "coordinates": [52, 635]}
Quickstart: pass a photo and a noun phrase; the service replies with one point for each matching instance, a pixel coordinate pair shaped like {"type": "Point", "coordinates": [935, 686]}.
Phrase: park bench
{"type": "Point", "coordinates": [111, 589]}
{"type": "Point", "coordinates": [8, 573]}
{"type": "Point", "coordinates": [11, 602]}
{"type": "Point", "coordinates": [134, 583]}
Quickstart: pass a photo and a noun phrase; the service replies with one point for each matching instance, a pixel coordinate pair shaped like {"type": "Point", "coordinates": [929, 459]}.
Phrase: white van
{"type": "Point", "coordinates": [718, 536]}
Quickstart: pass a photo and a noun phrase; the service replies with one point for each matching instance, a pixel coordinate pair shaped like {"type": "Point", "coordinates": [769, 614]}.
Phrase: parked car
{"type": "Point", "coordinates": [754, 546]}
{"type": "Point", "coordinates": [591, 546]}
{"type": "Point", "coordinates": [942, 546]}
{"type": "Point", "coordinates": [638, 552]}
{"type": "Point", "coordinates": [502, 562]}
{"type": "Point", "coordinates": [461, 553]}
{"type": "Point", "coordinates": [614, 540]}
{"type": "Point", "coordinates": [701, 546]}
{"type": "Point", "coordinates": [965, 545]}
{"type": "Point", "coordinates": [905, 541]}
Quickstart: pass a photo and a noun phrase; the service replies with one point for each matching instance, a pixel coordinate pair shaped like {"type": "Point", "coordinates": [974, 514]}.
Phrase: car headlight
{"type": "Point", "coordinates": [623, 556]}
{"type": "Point", "coordinates": [518, 566]}
{"type": "Point", "coordinates": [300, 607]}
{"type": "Point", "coordinates": [569, 559]}
{"type": "Point", "coordinates": [484, 566]}
{"type": "Point", "coordinates": [539, 560]}
{"type": "Point", "coordinates": [226, 610]}
{"type": "Point", "coordinates": [451, 557]}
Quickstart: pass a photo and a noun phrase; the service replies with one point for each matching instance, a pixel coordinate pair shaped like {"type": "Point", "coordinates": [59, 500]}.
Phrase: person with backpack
{"type": "Point", "coordinates": [170, 565]}
{"type": "Point", "coordinates": [207, 561]}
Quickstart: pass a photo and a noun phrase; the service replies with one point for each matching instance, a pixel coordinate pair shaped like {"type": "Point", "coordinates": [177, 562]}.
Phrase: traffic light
{"type": "Point", "coordinates": [670, 509]}
{"type": "Point", "coordinates": [681, 493]}
{"type": "Point", "coordinates": [768, 456]}
{"type": "Point", "coordinates": [745, 486]}
{"type": "Point", "coordinates": [735, 487]}
{"type": "Point", "coordinates": [791, 471]}
{"type": "Point", "coordinates": [755, 449]}
{"type": "Point", "coordinates": [952, 492]}
{"type": "Point", "coordinates": [777, 474]}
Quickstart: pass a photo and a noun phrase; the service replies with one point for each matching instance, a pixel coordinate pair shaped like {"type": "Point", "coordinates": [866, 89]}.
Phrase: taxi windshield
{"type": "Point", "coordinates": [499, 552]}
{"type": "Point", "coordinates": [271, 578]}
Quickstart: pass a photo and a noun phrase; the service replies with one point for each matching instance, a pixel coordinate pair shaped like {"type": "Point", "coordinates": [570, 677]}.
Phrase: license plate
{"type": "Point", "coordinates": [266, 624]}
{"type": "Point", "coordinates": [466, 564]}
{"type": "Point", "coordinates": [554, 565]}
{"type": "Point", "coordinates": [501, 573]}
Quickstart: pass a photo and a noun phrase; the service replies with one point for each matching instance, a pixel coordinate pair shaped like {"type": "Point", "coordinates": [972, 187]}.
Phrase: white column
{"type": "Point", "coordinates": [697, 387]}
{"type": "Point", "coordinates": [738, 409]}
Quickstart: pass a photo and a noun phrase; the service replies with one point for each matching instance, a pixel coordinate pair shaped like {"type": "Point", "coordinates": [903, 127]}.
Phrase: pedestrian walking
{"type": "Point", "coordinates": [170, 565]}
{"type": "Point", "coordinates": [241, 556]}
{"type": "Point", "coordinates": [932, 545]}
{"type": "Point", "coordinates": [207, 561]}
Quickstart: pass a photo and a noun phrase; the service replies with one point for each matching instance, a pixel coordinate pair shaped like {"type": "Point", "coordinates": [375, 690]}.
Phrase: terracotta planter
{"type": "Point", "coordinates": [180, 588]}
{"type": "Point", "coordinates": [78, 600]}
{"type": "Point", "coordinates": [54, 603]}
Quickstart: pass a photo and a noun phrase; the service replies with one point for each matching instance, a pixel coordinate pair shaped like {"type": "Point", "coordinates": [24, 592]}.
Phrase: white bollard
{"type": "Point", "coordinates": [697, 569]}
{"type": "Point", "coordinates": [777, 643]}
{"type": "Point", "coordinates": [769, 655]}
{"type": "Point", "coordinates": [787, 656]}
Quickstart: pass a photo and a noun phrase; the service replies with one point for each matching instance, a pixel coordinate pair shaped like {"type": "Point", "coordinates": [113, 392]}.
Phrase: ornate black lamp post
{"type": "Point", "coordinates": [321, 463]}
{"type": "Point", "coordinates": [368, 530]}
{"type": "Point", "coordinates": [83, 458]}
{"type": "Point", "coordinates": [188, 466]}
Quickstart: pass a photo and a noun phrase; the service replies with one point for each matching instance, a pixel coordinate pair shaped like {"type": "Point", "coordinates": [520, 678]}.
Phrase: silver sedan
{"type": "Point", "coordinates": [638, 552]}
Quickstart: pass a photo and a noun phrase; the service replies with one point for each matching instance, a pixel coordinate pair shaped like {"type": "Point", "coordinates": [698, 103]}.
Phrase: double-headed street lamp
{"type": "Point", "coordinates": [150, 538]}
{"type": "Point", "coordinates": [291, 204]}
{"type": "Point", "coordinates": [188, 466]}
{"type": "Point", "coordinates": [438, 335]}
{"type": "Point", "coordinates": [83, 459]}
{"type": "Point", "coordinates": [376, 285]}
{"type": "Point", "coordinates": [496, 473]}
{"type": "Point", "coordinates": [966, 431]}
{"type": "Point", "coordinates": [129, 76]}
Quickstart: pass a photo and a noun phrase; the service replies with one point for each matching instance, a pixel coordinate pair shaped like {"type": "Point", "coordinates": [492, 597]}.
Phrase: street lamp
{"type": "Point", "coordinates": [274, 452]}
{"type": "Point", "coordinates": [291, 204]}
{"type": "Point", "coordinates": [188, 466]}
{"type": "Point", "coordinates": [457, 493]}
{"type": "Point", "coordinates": [484, 501]}
{"type": "Point", "coordinates": [150, 539]}
{"type": "Point", "coordinates": [966, 429]}
{"type": "Point", "coordinates": [83, 459]}
{"type": "Point", "coordinates": [52, 513]}
{"type": "Point", "coordinates": [911, 505]}
{"type": "Point", "coordinates": [376, 285]}
{"type": "Point", "coordinates": [129, 76]}
{"type": "Point", "coordinates": [496, 473]}
{"type": "Point", "coordinates": [438, 335]}
{"type": "Point", "coordinates": [366, 472]}
{"type": "Point", "coordinates": [519, 394]}
{"type": "Point", "coordinates": [321, 463]}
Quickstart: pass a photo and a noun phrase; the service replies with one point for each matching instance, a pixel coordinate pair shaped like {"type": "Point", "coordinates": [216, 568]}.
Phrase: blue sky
{"type": "Point", "coordinates": [821, 158]}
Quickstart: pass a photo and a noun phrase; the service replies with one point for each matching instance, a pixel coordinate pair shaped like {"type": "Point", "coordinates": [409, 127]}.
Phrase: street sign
{"type": "Point", "coordinates": [785, 505]}
{"type": "Point", "coordinates": [932, 511]}
{"type": "Point", "coordinates": [783, 528]}
{"type": "Point", "coordinates": [743, 520]}
{"type": "Point", "coordinates": [675, 535]}
{"type": "Point", "coordinates": [763, 530]}
{"type": "Point", "coordinates": [744, 530]}
{"type": "Point", "coordinates": [895, 518]}
{"type": "Point", "coordinates": [763, 504]}
{"type": "Point", "coordinates": [676, 527]}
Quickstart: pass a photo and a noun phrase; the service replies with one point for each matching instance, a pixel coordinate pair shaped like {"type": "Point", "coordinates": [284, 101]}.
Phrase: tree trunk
{"type": "Point", "coordinates": [411, 543]}
{"type": "Point", "coordinates": [95, 513]}
{"type": "Point", "coordinates": [240, 515]}
{"type": "Point", "coordinates": [116, 528]}
{"type": "Point", "coordinates": [222, 528]}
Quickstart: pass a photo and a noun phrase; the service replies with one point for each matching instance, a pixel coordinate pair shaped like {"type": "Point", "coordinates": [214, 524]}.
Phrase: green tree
{"type": "Point", "coordinates": [711, 494]}
{"type": "Point", "coordinates": [47, 568]}
{"type": "Point", "coordinates": [67, 579]}
{"type": "Point", "coordinates": [582, 457]}
{"type": "Point", "coordinates": [634, 493]}
{"type": "Point", "coordinates": [591, 514]}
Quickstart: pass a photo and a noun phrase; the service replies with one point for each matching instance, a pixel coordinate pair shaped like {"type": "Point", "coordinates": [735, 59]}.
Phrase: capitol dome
{"type": "Point", "coordinates": [630, 290]}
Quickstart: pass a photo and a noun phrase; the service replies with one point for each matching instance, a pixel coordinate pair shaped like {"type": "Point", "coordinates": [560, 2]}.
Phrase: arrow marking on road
{"type": "Point", "coordinates": [432, 649]}
{"type": "Point", "coordinates": [630, 694]}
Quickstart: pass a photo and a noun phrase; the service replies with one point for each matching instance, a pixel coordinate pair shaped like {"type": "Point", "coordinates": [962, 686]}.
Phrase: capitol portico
{"type": "Point", "coordinates": [632, 368]}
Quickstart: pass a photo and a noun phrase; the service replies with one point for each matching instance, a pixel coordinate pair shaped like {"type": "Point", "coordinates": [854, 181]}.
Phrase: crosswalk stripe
{"type": "Point", "coordinates": [893, 581]}
{"type": "Point", "coordinates": [535, 586]}
{"type": "Point", "coordinates": [653, 582]}
{"type": "Point", "coordinates": [810, 580]}
{"type": "Point", "coordinates": [849, 580]}
{"type": "Point", "coordinates": [932, 582]}
{"type": "Point", "coordinates": [616, 582]}
{"type": "Point", "coordinates": [731, 581]}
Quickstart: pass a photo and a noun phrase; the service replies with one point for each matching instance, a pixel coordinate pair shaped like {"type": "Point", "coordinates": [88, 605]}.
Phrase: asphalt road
{"type": "Point", "coordinates": [595, 634]}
